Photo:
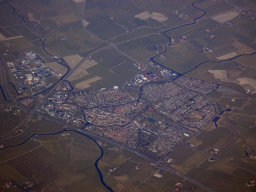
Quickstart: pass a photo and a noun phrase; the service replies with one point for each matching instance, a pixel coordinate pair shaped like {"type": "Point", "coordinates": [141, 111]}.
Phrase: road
{"type": "Point", "coordinates": [74, 129]}
{"type": "Point", "coordinates": [157, 163]}
{"type": "Point", "coordinates": [4, 69]}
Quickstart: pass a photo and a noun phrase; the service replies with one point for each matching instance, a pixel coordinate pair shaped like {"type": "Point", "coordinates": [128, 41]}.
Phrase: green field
{"type": "Point", "coordinates": [108, 33]}
{"type": "Point", "coordinates": [108, 78]}
{"type": "Point", "coordinates": [110, 58]}
{"type": "Point", "coordinates": [7, 16]}
{"type": "Point", "coordinates": [203, 73]}
{"type": "Point", "coordinates": [150, 43]}
{"type": "Point", "coordinates": [104, 27]}
{"type": "Point", "coordinates": [23, 31]}
{"type": "Point", "coordinates": [248, 109]}
{"type": "Point", "coordinates": [42, 163]}
{"type": "Point", "coordinates": [9, 121]}
{"type": "Point", "coordinates": [125, 176]}
{"type": "Point", "coordinates": [136, 34]}
{"type": "Point", "coordinates": [211, 138]}
{"type": "Point", "coordinates": [247, 40]}
{"type": "Point", "coordinates": [113, 67]}
{"type": "Point", "coordinates": [239, 102]}
{"type": "Point", "coordinates": [218, 7]}
{"type": "Point", "coordinates": [216, 180]}
{"type": "Point", "coordinates": [126, 69]}
{"type": "Point", "coordinates": [181, 155]}
{"type": "Point", "coordinates": [182, 57]}
{"type": "Point", "coordinates": [78, 40]}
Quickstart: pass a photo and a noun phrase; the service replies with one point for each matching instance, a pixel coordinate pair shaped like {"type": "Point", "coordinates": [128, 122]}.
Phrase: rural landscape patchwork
{"type": "Point", "coordinates": [127, 95]}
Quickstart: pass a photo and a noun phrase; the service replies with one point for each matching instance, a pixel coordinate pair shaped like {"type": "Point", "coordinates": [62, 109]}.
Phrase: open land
{"type": "Point", "coordinates": [227, 56]}
{"type": "Point", "coordinates": [73, 60]}
{"type": "Point", "coordinates": [222, 18]}
{"type": "Point", "coordinates": [157, 16]}
{"type": "Point", "coordinates": [85, 84]}
{"type": "Point", "coordinates": [154, 99]}
{"type": "Point", "coordinates": [60, 69]}
{"type": "Point", "coordinates": [82, 70]}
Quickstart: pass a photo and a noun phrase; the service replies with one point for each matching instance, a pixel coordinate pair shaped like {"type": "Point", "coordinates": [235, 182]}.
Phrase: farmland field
{"type": "Point", "coordinates": [182, 57]}
{"type": "Point", "coordinates": [142, 95]}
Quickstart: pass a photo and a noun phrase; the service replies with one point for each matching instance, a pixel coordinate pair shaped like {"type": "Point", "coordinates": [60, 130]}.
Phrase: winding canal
{"type": "Point", "coordinates": [152, 59]}
{"type": "Point", "coordinates": [43, 47]}
{"type": "Point", "coordinates": [2, 91]}
{"type": "Point", "coordinates": [74, 131]}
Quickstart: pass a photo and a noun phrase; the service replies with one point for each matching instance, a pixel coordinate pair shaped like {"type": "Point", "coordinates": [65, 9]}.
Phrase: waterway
{"type": "Point", "coordinates": [4, 94]}
{"type": "Point", "coordinates": [168, 44]}
{"type": "Point", "coordinates": [224, 111]}
{"type": "Point", "coordinates": [43, 47]}
{"type": "Point", "coordinates": [152, 59]}
{"type": "Point", "coordinates": [97, 160]}
{"type": "Point", "coordinates": [14, 88]}
{"type": "Point", "coordinates": [78, 132]}
{"type": "Point", "coordinates": [216, 119]}
{"type": "Point", "coordinates": [170, 39]}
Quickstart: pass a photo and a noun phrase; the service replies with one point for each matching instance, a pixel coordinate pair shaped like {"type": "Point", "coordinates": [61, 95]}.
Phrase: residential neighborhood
{"type": "Point", "coordinates": [156, 122]}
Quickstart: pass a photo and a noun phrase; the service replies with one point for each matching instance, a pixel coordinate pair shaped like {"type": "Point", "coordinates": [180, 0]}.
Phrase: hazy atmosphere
{"type": "Point", "coordinates": [127, 95]}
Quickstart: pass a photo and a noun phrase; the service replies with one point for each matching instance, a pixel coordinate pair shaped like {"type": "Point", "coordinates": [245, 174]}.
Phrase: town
{"type": "Point", "coordinates": [153, 120]}
{"type": "Point", "coordinates": [154, 123]}
{"type": "Point", "coordinates": [102, 98]}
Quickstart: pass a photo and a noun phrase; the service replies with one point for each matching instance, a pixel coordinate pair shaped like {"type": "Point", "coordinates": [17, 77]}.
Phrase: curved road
{"type": "Point", "coordinates": [85, 133]}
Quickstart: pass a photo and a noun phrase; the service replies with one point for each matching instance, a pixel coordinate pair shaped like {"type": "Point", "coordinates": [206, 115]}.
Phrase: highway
{"type": "Point", "coordinates": [84, 132]}
{"type": "Point", "coordinates": [97, 137]}
{"type": "Point", "coordinates": [87, 133]}
{"type": "Point", "coordinates": [4, 69]}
